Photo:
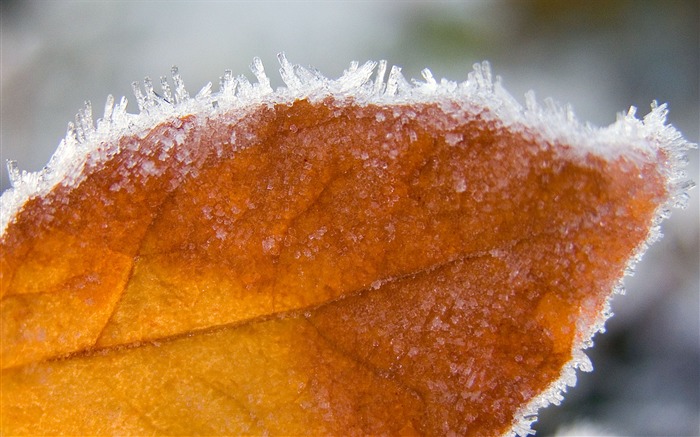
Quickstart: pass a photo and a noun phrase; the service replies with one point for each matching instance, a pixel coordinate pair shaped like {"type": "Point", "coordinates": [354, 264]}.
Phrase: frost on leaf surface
{"type": "Point", "coordinates": [362, 255]}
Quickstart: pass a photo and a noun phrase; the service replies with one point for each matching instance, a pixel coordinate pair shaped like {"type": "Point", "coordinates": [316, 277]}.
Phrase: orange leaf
{"type": "Point", "coordinates": [337, 257]}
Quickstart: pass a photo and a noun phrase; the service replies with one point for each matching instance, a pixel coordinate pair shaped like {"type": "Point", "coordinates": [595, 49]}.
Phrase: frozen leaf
{"type": "Point", "coordinates": [337, 257]}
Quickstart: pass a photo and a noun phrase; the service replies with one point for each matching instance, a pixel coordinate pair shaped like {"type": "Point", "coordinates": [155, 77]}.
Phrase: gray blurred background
{"type": "Point", "coordinates": [600, 56]}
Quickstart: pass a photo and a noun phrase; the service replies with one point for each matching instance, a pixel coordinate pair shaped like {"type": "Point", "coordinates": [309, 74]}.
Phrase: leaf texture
{"type": "Point", "coordinates": [348, 257]}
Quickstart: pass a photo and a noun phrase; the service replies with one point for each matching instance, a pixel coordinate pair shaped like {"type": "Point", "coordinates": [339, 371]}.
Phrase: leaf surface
{"type": "Point", "coordinates": [316, 264]}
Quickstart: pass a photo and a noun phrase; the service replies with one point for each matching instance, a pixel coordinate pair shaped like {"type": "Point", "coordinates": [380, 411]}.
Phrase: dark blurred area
{"type": "Point", "coordinates": [600, 56]}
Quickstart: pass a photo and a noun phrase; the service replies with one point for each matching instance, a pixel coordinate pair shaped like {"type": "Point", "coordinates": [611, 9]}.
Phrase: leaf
{"type": "Point", "coordinates": [336, 257]}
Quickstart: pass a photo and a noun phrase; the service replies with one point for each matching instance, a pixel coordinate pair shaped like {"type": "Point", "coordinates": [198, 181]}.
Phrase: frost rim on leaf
{"type": "Point", "coordinates": [365, 84]}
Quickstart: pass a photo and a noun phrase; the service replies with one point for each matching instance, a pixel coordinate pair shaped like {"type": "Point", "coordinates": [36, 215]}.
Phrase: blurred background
{"type": "Point", "coordinates": [599, 55]}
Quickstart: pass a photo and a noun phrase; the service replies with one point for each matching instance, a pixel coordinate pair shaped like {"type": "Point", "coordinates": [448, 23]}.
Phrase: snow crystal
{"type": "Point", "coordinates": [221, 233]}
{"type": "Point", "coordinates": [320, 232]}
{"type": "Point", "coordinates": [268, 244]}
{"type": "Point", "coordinates": [460, 184]}
{"type": "Point", "coordinates": [453, 139]}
